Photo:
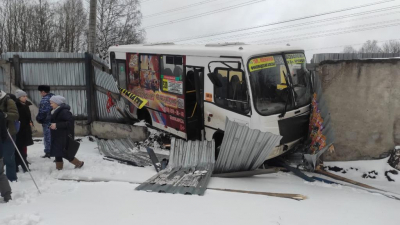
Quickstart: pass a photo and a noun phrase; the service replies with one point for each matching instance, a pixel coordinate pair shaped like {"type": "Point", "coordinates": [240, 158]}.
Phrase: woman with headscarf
{"type": "Point", "coordinates": [62, 126]}
{"type": "Point", "coordinates": [24, 135]}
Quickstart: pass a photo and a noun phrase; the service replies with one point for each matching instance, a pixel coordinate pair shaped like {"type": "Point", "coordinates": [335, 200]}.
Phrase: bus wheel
{"type": "Point", "coordinates": [143, 114]}
{"type": "Point", "coordinates": [218, 136]}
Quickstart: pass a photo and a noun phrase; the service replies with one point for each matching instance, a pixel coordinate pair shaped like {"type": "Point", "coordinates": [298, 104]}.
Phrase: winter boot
{"type": "Point", "coordinates": [7, 197]}
{"type": "Point", "coordinates": [78, 164]}
{"type": "Point", "coordinates": [59, 165]}
{"type": "Point", "coordinates": [47, 155]}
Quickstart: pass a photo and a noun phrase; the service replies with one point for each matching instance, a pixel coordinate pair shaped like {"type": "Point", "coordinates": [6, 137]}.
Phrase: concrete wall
{"type": "Point", "coordinates": [364, 100]}
{"type": "Point", "coordinates": [117, 131]}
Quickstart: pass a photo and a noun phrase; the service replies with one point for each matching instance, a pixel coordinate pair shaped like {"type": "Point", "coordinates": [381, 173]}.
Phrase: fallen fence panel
{"type": "Point", "coordinates": [244, 149]}
{"type": "Point", "coordinates": [124, 150]}
{"type": "Point", "coordinates": [189, 171]}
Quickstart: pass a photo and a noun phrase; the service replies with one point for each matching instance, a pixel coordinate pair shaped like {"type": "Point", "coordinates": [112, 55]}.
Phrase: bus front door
{"type": "Point", "coordinates": [193, 103]}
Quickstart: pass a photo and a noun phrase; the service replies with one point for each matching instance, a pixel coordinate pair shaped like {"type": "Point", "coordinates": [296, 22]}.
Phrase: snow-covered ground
{"type": "Point", "coordinates": [116, 202]}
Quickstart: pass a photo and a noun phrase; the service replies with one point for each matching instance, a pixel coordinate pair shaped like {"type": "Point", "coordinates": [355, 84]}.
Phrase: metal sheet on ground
{"type": "Point", "coordinates": [123, 150]}
{"type": "Point", "coordinates": [189, 170]}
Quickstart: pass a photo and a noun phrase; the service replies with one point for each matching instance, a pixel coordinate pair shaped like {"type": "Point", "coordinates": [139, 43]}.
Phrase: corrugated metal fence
{"type": "Point", "coordinates": [82, 79]}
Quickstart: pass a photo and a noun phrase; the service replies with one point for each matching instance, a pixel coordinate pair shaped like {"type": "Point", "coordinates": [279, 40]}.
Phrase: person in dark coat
{"type": "Point", "coordinates": [10, 111]}
{"type": "Point", "coordinates": [5, 188]}
{"type": "Point", "coordinates": [24, 135]}
{"type": "Point", "coordinates": [62, 125]}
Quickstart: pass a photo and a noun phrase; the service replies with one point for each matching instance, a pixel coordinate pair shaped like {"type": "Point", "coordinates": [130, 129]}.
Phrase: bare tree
{"type": "Point", "coordinates": [370, 47]}
{"type": "Point", "coordinates": [392, 46]}
{"type": "Point", "coordinates": [38, 25]}
{"type": "Point", "coordinates": [118, 22]}
{"type": "Point", "coordinates": [71, 21]}
{"type": "Point", "coordinates": [44, 27]}
{"type": "Point", "coordinates": [2, 30]}
{"type": "Point", "coordinates": [26, 26]}
{"type": "Point", "coordinates": [349, 49]}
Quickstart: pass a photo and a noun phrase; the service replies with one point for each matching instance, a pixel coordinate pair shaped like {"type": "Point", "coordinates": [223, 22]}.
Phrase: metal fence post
{"type": "Point", "coordinates": [17, 70]}
{"type": "Point", "coordinates": [93, 91]}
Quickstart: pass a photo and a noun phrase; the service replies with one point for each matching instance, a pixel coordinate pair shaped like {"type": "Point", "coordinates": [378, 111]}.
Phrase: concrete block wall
{"type": "Point", "coordinates": [364, 100]}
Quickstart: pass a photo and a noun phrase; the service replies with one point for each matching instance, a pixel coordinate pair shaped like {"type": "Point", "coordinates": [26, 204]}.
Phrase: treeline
{"type": "Point", "coordinates": [42, 26]}
{"type": "Point", "coordinates": [372, 46]}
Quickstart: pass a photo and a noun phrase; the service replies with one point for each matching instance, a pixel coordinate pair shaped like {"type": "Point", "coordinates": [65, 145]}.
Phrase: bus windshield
{"type": "Point", "coordinates": [277, 85]}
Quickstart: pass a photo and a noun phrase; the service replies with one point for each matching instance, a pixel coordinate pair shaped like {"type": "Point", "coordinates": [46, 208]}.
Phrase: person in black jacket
{"type": "Point", "coordinates": [24, 135]}
{"type": "Point", "coordinates": [62, 125]}
{"type": "Point", "coordinates": [5, 189]}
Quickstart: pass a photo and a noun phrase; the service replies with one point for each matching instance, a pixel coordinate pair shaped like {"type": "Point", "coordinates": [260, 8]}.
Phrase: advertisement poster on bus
{"type": "Point", "coordinates": [166, 99]}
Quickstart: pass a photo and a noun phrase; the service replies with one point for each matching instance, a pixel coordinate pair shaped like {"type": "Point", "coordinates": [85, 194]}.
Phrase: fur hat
{"type": "Point", "coordinates": [44, 88]}
{"type": "Point", "coordinates": [58, 99]}
{"type": "Point", "coordinates": [20, 93]}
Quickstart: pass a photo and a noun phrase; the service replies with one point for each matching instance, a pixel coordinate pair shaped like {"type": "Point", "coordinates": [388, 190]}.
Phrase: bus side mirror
{"type": "Point", "coordinates": [214, 79]}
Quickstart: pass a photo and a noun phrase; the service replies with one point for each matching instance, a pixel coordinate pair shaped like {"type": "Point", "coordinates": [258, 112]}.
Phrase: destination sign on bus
{"type": "Point", "coordinates": [262, 63]}
{"type": "Point", "coordinates": [295, 58]}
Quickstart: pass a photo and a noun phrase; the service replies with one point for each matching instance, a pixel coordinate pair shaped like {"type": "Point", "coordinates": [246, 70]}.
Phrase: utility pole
{"type": "Point", "coordinates": [92, 27]}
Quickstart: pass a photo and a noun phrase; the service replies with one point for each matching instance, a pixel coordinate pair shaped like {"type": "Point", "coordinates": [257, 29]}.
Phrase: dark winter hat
{"type": "Point", "coordinates": [44, 88]}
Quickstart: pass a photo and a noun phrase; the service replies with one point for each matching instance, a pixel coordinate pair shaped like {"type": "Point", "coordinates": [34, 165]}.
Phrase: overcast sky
{"type": "Point", "coordinates": [320, 34]}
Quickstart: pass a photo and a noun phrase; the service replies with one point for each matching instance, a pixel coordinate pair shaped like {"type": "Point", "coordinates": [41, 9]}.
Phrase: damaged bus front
{"type": "Point", "coordinates": [281, 87]}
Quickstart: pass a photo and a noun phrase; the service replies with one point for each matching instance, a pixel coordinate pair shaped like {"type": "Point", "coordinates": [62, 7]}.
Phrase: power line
{"type": "Point", "coordinates": [206, 14]}
{"type": "Point", "coordinates": [255, 33]}
{"type": "Point", "coordinates": [331, 30]}
{"type": "Point", "coordinates": [334, 34]}
{"type": "Point", "coordinates": [178, 9]}
{"type": "Point", "coordinates": [279, 22]}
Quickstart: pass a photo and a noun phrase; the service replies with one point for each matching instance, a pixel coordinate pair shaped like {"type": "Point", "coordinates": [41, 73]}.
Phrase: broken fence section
{"type": "Point", "coordinates": [125, 150]}
{"type": "Point", "coordinates": [244, 149]}
{"type": "Point", "coordinates": [189, 170]}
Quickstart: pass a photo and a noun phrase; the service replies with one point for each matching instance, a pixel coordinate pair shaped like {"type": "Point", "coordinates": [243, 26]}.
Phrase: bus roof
{"type": "Point", "coordinates": [211, 50]}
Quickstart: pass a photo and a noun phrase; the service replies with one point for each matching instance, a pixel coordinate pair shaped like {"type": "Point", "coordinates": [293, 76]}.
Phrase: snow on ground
{"type": "Point", "coordinates": [116, 202]}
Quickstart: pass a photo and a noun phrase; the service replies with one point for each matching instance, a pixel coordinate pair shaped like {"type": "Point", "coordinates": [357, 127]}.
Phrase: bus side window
{"type": "Point", "coordinates": [150, 72]}
{"type": "Point", "coordinates": [221, 92]}
{"type": "Point", "coordinates": [233, 93]}
{"type": "Point", "coordinates": [113, 66]}
{"type": "Point", "coordinates": [121, 75]}
{"type": "Point", "coordinates": [114, 69]}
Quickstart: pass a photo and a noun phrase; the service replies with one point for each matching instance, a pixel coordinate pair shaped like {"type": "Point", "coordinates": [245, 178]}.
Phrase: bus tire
{"type": "Point", "coordinates": [143, 114]}
{"type": "Point", "coordinates": [218, 136]}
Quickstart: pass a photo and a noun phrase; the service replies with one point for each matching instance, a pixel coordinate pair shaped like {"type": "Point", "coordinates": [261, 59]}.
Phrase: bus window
{"type": "Point", "coordinates": [149, 72]}
{"type": "Point", "coordinates": [132, 60]}
{"type": "Point", "coordinates": [172, 74]}
{"type": "Point", "coordinates": [113, 66]}
{"type": "Point", "coordinates": [114, 69]}
{"type": "Point", "coordinates": [233, 93]}
{"type": "Point", "coordinates": [121, 75]}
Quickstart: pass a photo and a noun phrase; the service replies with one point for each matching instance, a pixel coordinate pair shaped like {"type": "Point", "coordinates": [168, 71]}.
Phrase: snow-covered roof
{"type": "Point", "coordinates": [214, 50]}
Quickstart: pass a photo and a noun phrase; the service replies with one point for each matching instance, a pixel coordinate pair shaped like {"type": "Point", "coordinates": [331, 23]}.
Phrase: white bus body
{"type": "Point", "coordinates": [263, 87]}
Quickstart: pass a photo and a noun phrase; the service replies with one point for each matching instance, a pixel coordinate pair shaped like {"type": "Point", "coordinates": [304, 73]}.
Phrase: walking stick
{"type": "Point", "coordinates": [26, 166]}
